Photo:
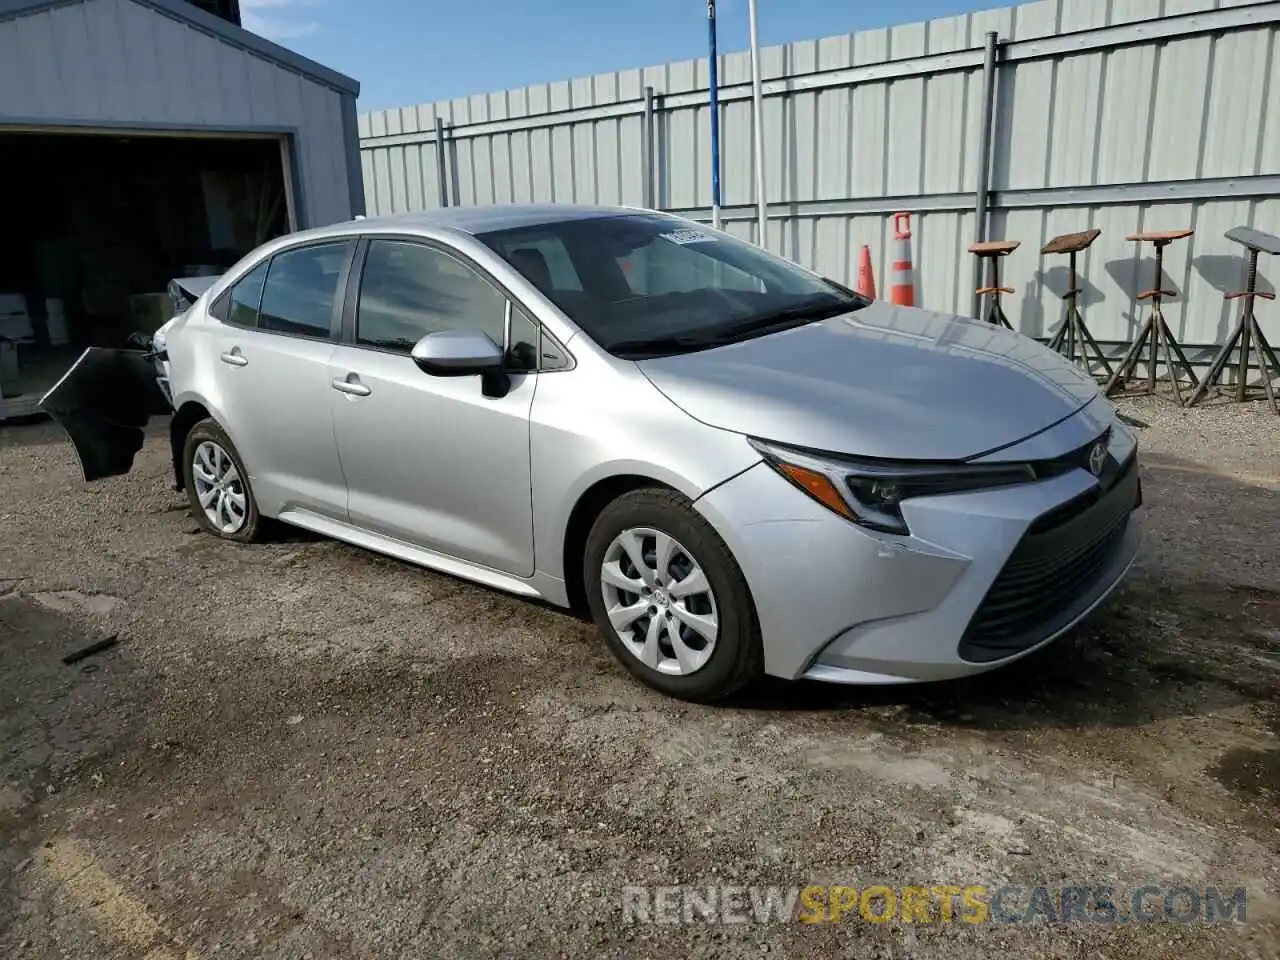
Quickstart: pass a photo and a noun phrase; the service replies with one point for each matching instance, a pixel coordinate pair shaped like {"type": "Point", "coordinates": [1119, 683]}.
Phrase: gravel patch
{"type": "Point", "coordinates": [300, 749]}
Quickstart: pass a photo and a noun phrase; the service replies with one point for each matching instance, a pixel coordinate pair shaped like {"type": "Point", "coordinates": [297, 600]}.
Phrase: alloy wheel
{"type": "Point", "coordinates": [219, 487]}
{"type": "Point", "coordinates": [659, 601]}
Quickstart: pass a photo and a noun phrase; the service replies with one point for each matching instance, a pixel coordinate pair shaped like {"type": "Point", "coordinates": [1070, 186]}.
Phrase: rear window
{"type": "Point", "coordinates": [240, 305]}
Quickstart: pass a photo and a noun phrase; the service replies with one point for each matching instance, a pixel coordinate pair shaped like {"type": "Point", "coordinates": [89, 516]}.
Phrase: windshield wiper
{"type": "Point", "coordinates": [800, 312]}
{"type": "Point", "coordinates": [734, 330]}
{"type": "Point", "coordinates": [657, 346]}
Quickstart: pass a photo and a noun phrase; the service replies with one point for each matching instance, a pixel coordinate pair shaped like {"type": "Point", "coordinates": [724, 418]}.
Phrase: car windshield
{"type": "Point", "coordinates": [649, 284]}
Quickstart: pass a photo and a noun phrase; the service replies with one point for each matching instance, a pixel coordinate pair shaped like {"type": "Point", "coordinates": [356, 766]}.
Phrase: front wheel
{"type": "Point", "coordinates": [669, 599]}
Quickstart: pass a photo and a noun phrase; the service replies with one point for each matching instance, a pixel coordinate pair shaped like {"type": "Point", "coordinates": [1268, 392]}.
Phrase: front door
{"type": "Point", "coordinates": [432, 461]}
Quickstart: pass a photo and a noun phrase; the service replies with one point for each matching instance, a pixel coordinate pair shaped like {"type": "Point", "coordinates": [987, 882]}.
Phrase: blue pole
{"type": "Point", "coordinates": [715, 117]}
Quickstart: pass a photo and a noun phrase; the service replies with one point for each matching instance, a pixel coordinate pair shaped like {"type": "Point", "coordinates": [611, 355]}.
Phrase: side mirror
{"type": "Point", "coordinates": [456, 353]}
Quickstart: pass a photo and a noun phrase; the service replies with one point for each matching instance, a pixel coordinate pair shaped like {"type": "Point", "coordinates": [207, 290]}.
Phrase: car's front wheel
{"type": "Point", "coordinates": [669, 599]}
{"type": "Point", "coordinates": [218, 485]}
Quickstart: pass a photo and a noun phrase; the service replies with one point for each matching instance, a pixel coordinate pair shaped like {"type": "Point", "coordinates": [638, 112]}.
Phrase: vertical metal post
{"type": "Point", "coordinates": [1073, 299]}
{"type": "Point", "coordinates": [292, 186]}
{"type": "Point", "coordinates": [1246, 328]}
{"type": "Point", "coordinates": [442, 170]}
{"type": "Point", "coordinates": [984, 155]}
{"type": "Point", "coordinates": [1158, 314]}
{"type": "Point", "coordinates": [757, 107]}
{"type": "Point", "coordinates": [715, 115]}
{"type": "Point", "coordinates": [646, 135]}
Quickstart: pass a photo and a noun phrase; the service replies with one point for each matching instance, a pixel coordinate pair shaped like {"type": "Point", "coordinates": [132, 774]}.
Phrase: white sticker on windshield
{"type": "Point", "coordinates": [687, 236]}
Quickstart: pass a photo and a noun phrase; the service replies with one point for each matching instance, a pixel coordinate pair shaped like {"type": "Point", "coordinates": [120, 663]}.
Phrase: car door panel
{"type": "Point", "coordinates": [277, 406]}
{"type": "Point", "coordinates": [273, 355]}
{"type": "Point", "coordinates": [431, 461]}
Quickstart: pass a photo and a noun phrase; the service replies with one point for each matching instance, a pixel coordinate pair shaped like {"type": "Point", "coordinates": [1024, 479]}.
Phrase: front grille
{"type": "Point", "coordinates": [1052, 566]}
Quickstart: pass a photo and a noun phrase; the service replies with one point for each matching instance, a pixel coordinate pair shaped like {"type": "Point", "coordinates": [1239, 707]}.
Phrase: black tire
{"type": "Point", "coordinates": [738, 656]}
{"type": "Point", "coordinates": [208, 429]}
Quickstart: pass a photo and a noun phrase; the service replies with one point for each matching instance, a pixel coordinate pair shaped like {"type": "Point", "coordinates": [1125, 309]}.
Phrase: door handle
{"type": "Point", "coordinates": [352, 388]}
{"type": "Point", "coordinates": [235, 358]}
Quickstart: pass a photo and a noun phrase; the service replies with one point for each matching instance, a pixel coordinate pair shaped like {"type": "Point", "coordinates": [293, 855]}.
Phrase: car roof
{"type": "Point", "coordinates": [476, 220]}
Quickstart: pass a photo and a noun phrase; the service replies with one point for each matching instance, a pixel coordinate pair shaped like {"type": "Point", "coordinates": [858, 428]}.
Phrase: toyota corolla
{"type": "Point", "coordinates": [737, 466]}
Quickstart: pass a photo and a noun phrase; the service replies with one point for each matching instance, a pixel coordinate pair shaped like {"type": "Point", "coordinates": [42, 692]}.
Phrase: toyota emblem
{"type": "Point", "coordinates": [1098, 457]}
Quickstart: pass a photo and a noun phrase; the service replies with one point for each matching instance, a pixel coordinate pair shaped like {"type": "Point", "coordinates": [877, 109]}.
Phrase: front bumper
{"type": "Point", "coordinates": [840, 603]}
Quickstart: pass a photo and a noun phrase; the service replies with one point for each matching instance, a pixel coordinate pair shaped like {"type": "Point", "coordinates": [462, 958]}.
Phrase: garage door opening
{"type": "Point", "coordinates": [96, 225]}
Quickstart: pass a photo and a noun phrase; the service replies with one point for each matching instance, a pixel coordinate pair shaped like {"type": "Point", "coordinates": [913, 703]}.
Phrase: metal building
{"type": "Point", "coordinates": [142, 140]}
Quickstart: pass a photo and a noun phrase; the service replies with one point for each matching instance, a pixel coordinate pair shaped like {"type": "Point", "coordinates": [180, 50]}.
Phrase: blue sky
{"type": "Point", "coordinates": [412, 51]}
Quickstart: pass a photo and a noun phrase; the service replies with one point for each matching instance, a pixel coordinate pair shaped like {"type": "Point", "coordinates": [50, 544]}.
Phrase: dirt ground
{"type": "Point", "coordinates": [300, 749]}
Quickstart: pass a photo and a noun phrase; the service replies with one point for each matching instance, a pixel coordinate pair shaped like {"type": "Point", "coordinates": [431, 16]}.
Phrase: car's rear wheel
{"type": "Point", "coordinates": [218, 485]}
{"type": "Point", "coordinates": [669, 599]}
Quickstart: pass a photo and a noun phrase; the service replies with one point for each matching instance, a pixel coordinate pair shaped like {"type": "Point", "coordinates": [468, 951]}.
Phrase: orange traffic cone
{"type": "Point", "coordinates": [902, 286]}
{"type": "Point", "coordinates": [866, 277]}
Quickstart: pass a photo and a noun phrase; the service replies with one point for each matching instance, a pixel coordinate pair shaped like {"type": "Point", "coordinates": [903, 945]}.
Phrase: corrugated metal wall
{"type": "Point", "coordinates": [120, 62]}
{"type": "Point", "coordinates": [1120, 114]}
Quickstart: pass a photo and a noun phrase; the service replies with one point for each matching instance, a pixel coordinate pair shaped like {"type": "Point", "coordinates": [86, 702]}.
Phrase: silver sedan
{"type": "Point", "coordinates": [737, 466]}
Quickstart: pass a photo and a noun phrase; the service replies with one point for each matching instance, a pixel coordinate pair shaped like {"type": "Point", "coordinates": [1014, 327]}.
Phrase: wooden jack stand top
{"type": "Point", "coordinates": [1159, 236]}
{"type": "Point", "coordinates": [995, 248]}
{"type": "Point", "coordinates": [1071, 242]}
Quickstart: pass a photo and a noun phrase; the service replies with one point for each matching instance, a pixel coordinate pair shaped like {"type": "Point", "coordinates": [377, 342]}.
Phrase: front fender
{"type": "Point", "coordinates": [627, 430]}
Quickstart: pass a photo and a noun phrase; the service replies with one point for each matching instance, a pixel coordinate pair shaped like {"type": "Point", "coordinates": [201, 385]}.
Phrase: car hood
{"type": "Point", "coordinates": [882, 381]}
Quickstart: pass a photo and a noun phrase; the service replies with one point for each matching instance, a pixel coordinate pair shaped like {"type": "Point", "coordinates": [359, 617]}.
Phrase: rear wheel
{"type": "Point", "coordinates": [669, 599]}
{"type": "Point", "coordinates": [218, 485]}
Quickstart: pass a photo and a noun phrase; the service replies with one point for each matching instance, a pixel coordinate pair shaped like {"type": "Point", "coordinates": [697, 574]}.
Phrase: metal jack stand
{"type": "Point", "coordinates": [992, 251]}
{"type": "Point", "coordinates": [1073, 335]}
{"type": "Point", "coordinates": [1255, 241]}
{"type": "Point", "coordinates": [1155, 330]}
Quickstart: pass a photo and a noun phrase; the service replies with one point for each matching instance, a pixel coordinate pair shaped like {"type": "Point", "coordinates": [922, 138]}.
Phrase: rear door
{"type": "Point", "coordinates": [433, 461]}
{"type": "Point", "coordinates": [279, 330]}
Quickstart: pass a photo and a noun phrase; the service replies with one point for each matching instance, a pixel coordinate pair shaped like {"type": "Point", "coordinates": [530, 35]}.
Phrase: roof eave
{"type": "Point", "coordinates": [202, 20]}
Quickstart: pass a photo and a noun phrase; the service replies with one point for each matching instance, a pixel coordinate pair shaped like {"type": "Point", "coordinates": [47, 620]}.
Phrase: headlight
{"type": "Point", "coordinates": [870, 493]}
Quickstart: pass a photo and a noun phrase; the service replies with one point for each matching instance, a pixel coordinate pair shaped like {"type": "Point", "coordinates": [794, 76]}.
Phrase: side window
{"type": "Point", "coordinates": [220, 309]}
{"type": "Point", "coordinates": [409, 290]}
{"type": "Point", "coordinates": [551, 356]}
{"type": "Point", "coordinates": [240, 304]}
{"type": "Point", "coordinates": [522, 354]}
{"type": "Point", "coordinates": [301, 288]}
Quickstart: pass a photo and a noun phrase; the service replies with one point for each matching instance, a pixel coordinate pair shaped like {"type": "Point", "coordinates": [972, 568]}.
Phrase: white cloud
{"type": "Point", "coordinates": [278, 19]}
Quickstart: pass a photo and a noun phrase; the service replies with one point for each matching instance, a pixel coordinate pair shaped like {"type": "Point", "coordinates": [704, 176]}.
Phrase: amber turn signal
{"type": "Point", "coordinates": [817, 485]}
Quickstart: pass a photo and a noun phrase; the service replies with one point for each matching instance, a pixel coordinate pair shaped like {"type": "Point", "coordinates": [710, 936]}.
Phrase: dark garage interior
{"type": "Point", "coordinates": [96, 225]}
